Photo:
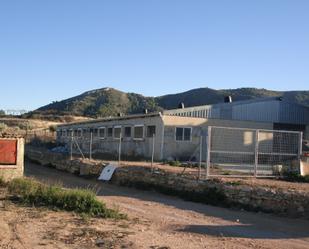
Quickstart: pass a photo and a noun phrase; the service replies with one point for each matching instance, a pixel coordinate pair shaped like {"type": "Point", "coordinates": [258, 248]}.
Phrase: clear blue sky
{"type": "Point", "coordinates": [52, 50]}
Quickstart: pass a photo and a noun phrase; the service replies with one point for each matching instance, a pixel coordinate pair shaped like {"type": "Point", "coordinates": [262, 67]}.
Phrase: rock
{"type": "Point", "coordinates": [99, 242]}
{"type": "Point", "coordinates": [300, 209]}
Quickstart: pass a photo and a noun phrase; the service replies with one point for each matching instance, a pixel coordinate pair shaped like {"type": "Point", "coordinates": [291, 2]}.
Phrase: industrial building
{"type": "Point", "coordinates": [177, 133]}
{"type": "Point", "coordinates": [282, 114]}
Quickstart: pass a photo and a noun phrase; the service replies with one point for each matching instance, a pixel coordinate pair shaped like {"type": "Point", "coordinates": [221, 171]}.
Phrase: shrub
{"type": "Point", "coordinates": [293, 176]}
{"type": "Point", "coordinates": [174, 163]}
{"type": "Point", "coordinates": [2, 182]}
{"type": "Point", "coordinates": [31, 192]}
{"type": "Point", "coordinates": [3, 127]}
{"type": "Point", "coordinates": [52, 128]}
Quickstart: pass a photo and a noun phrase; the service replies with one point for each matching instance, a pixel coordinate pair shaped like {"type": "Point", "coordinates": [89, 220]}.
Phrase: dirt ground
{"type": "Point", "coordinates": [23, 227]}
{"type": "Point", "coordinates": [155, 221]}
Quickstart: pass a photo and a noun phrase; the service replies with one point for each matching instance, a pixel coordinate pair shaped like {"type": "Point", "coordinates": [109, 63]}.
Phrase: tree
{"type": "Point", "coordinates": [2, 113]}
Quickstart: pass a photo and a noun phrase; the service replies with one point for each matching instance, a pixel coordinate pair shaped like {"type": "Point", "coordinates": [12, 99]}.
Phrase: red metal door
{"type": "Point", "coordinates": [8, 151]}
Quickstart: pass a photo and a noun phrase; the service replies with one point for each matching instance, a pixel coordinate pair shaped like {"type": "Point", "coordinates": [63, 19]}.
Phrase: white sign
{"type": "Point", "coordinates": [107, 172]}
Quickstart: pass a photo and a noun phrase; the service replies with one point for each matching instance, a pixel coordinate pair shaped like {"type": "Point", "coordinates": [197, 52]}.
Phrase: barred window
{"type": "Point", "coordinates": [183, 134]}
{"type": "Point", "coordinates": [151, 130]}
{"type": "Point", "coordinates": [102, 132]}
{"type": "Point", "coordinates": [79, 132]}
{"type": "Point", "coordinates": [110, 132]}
{"type": "Point", "coordinates": [117, 132]}
{"type": "Point", "coordinates": [95, 132]}
{"type": "Point", "coordinates": [138, 132]}
{"type": "Point", "coordinates": [127, 131]}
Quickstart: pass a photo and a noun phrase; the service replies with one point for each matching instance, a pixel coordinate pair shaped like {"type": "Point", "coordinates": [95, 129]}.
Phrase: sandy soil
{"type": "Point", "coordinates": [159, 221]}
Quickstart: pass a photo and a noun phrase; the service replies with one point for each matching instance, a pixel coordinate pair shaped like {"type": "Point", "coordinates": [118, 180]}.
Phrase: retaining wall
{"type": "Point", "coordinates": [275, 200]}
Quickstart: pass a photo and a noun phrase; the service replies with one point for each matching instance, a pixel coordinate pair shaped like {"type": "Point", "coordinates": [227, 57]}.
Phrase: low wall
{"type": "Point", "coordinates": [62, 162]}
{"type": "Point", "coordinates": [282, 202]}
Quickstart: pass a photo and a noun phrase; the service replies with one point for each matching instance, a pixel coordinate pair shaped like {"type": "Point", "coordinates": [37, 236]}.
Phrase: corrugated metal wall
{"type": "Point", "coordinates": [273, 111]}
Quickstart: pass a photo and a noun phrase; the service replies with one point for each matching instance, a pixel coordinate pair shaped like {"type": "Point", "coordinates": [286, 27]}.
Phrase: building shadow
{"type": "Point", "coordinates": [243, 231]}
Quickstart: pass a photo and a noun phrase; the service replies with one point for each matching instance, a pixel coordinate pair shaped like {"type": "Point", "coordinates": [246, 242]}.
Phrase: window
{"type": "Point", "coordinates": [183, 134]}
{"type": "Point", "coordinates": [117, 131]}
{"type": "Point", "coordinates": [127, 131]}
{"type": "Point", "coordinates": [110, 132]}
{"type": "Point", "coordinates": [187, 134]}
{"type": "Point", "coordinates": [71, 133]}
{"type": "Point", "coordinates": [151, 130]}
{"type": "Point", "coordinates": [95, 132]}
{"type": "Point", "coordinates": [79, 132]}
{"type": "Point", "coordinates": [64, 133]}
{"type": "Point", "coordinates": [102, 132]}
{"type": "Point", "coordinates": [75, 133]}
{"type": "Point", "coordinates": [139, 132]}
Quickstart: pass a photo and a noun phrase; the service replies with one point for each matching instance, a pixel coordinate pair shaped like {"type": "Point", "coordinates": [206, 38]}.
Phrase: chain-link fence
{"type": "Point", "coordinates": [44, 135]}
{"type": "Point", "coordinates": [250, 152]}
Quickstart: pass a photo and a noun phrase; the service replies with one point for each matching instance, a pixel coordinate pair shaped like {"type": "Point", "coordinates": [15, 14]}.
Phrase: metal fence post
{"type": "Point", "coordinates": [152, 152]}
{"type": "Point", "coordinates": [300, 149]}
{"type": "Point", "coordinates": [71, 148]}
{"type": "Point", "coordinates": [208, 151]}
{"type": "Point", "coordinates": [256, 152]}
{"type": "Point", "coordinates": [90, 146]}
{"type": "Point", "coordinates": [200, 161]}
{"type": "Point", "coordinates": [119, 149]}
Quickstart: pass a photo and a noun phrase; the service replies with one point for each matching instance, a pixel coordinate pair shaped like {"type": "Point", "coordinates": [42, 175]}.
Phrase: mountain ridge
{"type": "Point", "coordinates": [108, 101]}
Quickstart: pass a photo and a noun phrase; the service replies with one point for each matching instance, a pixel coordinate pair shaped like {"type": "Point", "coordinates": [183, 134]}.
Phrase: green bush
{"type": "Point", "coordinates": [2, 182]}
{"type": "Point", "coordinates": [174, 163]}
{"type": "Point", "coordinates": [3, 127]}
{"type": "Point", "coordinates": [295, 177]}
{"type": "Point", "coordinates": [52, 128]}
{"type": "Point", "coordinates": [81, 201]}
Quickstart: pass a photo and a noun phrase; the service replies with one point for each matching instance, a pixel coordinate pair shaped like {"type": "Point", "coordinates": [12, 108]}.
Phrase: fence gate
{"type": "Point", "coordinates": [241, 152]}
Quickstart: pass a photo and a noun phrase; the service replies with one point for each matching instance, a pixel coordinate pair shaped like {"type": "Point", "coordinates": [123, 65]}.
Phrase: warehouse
{"type": "Point", "coordinates": [283, 114]}
{"type": "Point", "coordinates": [176, 133]}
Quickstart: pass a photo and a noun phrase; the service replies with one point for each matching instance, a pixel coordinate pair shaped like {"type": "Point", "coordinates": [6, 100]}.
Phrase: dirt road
{"type": "Point", "coordinates": [170, 222]}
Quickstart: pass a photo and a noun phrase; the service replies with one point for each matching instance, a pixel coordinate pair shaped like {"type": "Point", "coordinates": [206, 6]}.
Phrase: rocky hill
{"type": "Point", "coordinates": [109, 102]}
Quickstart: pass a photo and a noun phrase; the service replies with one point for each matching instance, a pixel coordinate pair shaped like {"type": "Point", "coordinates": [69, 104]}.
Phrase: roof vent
{"type": "Point", "coordinates": [280, 98]}
{"type": "Point", "coordinates": [181, 105]}
{"type": "Point", "coordinates": [228, 99]}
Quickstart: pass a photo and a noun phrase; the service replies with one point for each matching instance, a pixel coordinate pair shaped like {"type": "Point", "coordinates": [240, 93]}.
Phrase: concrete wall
{"type": "Point", "coordinates": [190, 149]}
{"type": "Point", "coordinates": [9, 172]}
{"type": "Point", "coordinates": [130, 147]}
